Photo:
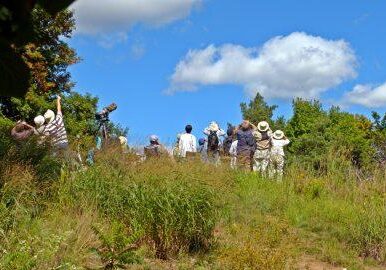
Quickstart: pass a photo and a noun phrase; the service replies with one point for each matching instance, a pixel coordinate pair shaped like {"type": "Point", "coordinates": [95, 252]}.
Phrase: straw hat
{"type": "Point", "coordinates": [213, 126]}
{"type": "Point", "coordinates": [263, 126]}
{"type": "Point", "coordinates": [39, 120]}
{"type": "Point", "coordinates": [49, 116]}
{"type": "Point", "coordinates": [278, 135]}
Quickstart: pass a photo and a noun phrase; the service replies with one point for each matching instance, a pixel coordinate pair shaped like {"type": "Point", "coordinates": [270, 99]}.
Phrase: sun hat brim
{"type": "Point", "coordinates": [263, 129]}
{"type": "Point", "coordinates": [278, 136]}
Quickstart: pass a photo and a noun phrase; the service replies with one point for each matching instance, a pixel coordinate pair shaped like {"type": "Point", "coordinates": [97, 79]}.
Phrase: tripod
{"type": "Point", "coordinates": [103, 129]}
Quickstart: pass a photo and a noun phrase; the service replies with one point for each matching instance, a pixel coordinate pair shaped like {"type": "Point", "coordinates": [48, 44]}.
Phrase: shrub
{"type": "Point", "coordinates": [117, 246]}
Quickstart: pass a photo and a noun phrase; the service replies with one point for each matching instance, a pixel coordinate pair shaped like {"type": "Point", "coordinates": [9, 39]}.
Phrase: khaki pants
{"type": "Point", "coordinates": [276, 166]}
{"type": "Point", "coordinates": [244, 160]}
{"type": "Point", "coordinates": [261, 161]}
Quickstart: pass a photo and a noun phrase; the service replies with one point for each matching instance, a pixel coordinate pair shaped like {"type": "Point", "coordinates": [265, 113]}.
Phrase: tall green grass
{"type": "Point", "coordinates": [175, 213]}
{"type": "Point", "coordinates": [190, 215]}
{"type": "Point", "coordinates": [164, 206]}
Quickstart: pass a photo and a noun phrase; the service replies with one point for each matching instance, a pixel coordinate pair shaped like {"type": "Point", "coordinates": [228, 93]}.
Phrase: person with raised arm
{"type": "Point", "coordinates": [55, 130]}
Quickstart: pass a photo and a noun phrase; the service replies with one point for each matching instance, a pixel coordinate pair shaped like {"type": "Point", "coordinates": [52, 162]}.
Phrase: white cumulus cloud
{"type": "Point", "coordinates": [99, 17]}
{"type": "Point", "coordinates": [367, 95]}
{"type": "Point", "coordinates": [297, 65]}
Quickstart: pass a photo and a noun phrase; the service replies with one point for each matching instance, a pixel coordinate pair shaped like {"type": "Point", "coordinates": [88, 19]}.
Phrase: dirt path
{"type": "Point", "coordinates": [310, 263]}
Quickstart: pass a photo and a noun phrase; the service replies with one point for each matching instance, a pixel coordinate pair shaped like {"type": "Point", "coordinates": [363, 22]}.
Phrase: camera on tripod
{"type": "Point", "coordinates": [103, 115]}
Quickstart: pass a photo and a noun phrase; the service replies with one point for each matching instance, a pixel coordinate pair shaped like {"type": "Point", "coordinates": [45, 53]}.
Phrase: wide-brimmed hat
{"type": "Point", "coordinates": [278, 135]}
{"type": "Point", "coordinates": [263, 126]}
{"type": "Point", "coordinates": [49, 116]}
{"type": "Point", "coordinates": [39, 120]}
{"type": "Point", "coordinates": [213, 126]}
{"type": "Point", "coordinates": [122, 140]}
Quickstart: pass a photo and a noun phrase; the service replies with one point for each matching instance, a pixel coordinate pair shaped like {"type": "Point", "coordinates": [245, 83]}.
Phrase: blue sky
{"type": "Point", "coordinates": [167, 63]}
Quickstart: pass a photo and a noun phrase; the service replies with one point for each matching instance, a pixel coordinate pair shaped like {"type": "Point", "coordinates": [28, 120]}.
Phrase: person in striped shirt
{"type": "Point", "coordinates": [55, 130]}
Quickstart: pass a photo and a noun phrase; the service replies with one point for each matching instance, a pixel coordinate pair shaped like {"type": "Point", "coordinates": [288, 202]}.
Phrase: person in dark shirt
{"type": "Point", "coordinates": [246, 145]}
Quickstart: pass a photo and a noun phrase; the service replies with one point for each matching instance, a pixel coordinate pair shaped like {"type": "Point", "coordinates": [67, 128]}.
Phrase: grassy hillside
{"type": "Point", "coordinates": [167, 215]}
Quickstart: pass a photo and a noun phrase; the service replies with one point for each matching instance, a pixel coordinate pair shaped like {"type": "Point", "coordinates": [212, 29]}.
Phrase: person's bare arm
{"type": "Point", "coordinates": [59, 104]}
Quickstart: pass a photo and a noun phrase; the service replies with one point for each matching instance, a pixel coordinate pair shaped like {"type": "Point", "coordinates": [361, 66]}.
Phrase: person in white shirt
{"type": "Point", "coordinates": [276, 164]}
{"type": "Point", "coordinates": [188, 143]}
{"type": "Point", "coordinates": [233, 153]}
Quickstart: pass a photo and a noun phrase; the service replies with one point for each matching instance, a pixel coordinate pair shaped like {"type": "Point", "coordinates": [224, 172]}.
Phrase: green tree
{"type": "Point", "coordinates": [306, 130]}
{"type": "Point", "coordinates": [47, 59]}
{"type": "Point", "coordinates": [17, 29]}
{"type": "Point", "coordinates": [378, 135]}
{"type": "Point", "coordinates": [349, 135]}
{"type": "Point", "coordinates": [258, 110]}
{"type": "Point", "coordinates": [318, 136]}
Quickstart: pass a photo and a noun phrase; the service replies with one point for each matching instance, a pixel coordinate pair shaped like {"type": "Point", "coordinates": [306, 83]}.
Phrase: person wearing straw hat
{"type": "Point", "coordinates": [276, 164]}
{"type": "Point", "coordinates": [214, 132]}
{"type": "Point", "coordinates": [263, 145]}
{"type": "Point", "coordinates": [246, 144]}
{"type": "Point", "coordinates": [22, 131]}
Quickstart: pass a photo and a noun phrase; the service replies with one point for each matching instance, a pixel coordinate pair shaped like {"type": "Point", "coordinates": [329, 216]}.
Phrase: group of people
{"type": "Point", "coordinates": [248, 147]}
{"type": "Point", "coordinates": [48, 128]}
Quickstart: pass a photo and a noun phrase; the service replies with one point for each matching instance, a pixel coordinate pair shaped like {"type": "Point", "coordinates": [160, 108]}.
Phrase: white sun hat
{"type": "Point", "coordinates": [213, 126]}
{"type": "Point", "coordinates": [39, 120]}
{"type": "Point", "coordinates": [122, 140]}
{"type": "Point", "coordinates": [154, 138]}
{"type": "Point", "coordinates": [49, 116]}
{"type": "Point", "coordinates": [278, 135]}
{"type": "Point", "coordinates": [263, 126]}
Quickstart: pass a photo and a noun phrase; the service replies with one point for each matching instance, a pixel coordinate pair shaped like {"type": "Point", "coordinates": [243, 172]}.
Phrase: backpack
{"type": "Point", "coordinates": [227, 144]}
{"type": "Point", "coordinates": [213, 141]}
{"type": "Point", "coordinates": [151, 151]}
